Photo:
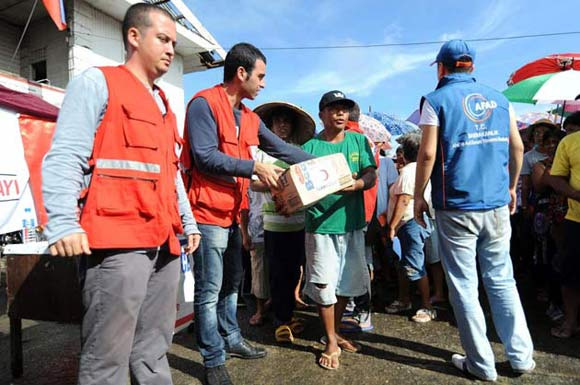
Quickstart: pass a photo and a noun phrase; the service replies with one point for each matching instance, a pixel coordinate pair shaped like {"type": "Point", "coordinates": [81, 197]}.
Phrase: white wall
{"type": "Point", "coordinates": [43, 41]}
{"type": "Point", "coordinates": [9, 36]}
{"type": "Point", "coordinates": [98, 41]}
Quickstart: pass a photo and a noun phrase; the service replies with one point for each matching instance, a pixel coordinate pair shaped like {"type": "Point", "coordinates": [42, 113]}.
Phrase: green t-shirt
{"type": "Point", "coordinates": [340, 213]}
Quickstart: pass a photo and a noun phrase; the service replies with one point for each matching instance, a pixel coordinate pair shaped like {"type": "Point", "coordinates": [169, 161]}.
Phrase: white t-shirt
{"type": "Point", "coordinates": [405, 184]}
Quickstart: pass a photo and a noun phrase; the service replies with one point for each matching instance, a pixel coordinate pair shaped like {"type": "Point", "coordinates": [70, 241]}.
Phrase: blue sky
{"type": "Point", "coordinates": [388, 79]}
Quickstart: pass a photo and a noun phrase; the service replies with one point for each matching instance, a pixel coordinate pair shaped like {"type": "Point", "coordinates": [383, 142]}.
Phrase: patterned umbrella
{"type": "Point", "coordinates": [394, 125]}
{"type": "Point", "coordinates": [374, 130]}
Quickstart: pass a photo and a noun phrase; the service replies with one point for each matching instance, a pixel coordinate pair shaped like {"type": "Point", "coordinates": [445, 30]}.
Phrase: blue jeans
{"type": "Point", "coordinates": [218, 273]}
{"type": "Point", "coordinates": [483, 236]}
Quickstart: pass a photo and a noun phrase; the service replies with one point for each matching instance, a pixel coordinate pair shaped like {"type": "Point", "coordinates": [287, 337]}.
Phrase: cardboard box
{"type": "Point", "coordinates": [305, 183]}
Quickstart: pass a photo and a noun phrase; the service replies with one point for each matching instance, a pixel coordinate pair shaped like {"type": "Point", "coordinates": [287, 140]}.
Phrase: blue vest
{"type": "Point", "coordinates": [471, 167]}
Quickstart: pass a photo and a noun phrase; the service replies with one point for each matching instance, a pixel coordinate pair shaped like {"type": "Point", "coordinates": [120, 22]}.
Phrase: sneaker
{"type": "Point", "coordinates": [424, 315]}
{"type": "Point", "coordinates": [397, 307]}
{"type": "Point", "coordinates": [360, 322]}
{"type": "Point", "coordinates": [350, 305]}
{"type": "Point", "coordinates": [526, 371]}
{"type": "Point", "coordinates": [460, 362]}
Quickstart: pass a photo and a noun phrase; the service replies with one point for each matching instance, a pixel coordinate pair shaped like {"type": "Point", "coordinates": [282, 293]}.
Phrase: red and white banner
{"type": "Point", "coordinates": [25, 141]}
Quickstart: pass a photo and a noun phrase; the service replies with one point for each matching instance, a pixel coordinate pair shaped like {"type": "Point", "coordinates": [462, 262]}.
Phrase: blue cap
{"type": "Point", "coordinates": [456, 53]}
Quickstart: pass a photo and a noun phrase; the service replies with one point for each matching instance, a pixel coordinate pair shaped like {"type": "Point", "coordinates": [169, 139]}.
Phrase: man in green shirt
{"type": "Point", "coordinates": [335, 256]}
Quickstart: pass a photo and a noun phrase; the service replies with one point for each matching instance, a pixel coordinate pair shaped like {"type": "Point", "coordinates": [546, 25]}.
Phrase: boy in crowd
{"type": "Point", "coordinates": [335, 256]}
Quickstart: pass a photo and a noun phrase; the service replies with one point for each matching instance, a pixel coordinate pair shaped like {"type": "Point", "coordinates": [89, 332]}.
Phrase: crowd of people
{"type": "Point", "coordinates": [440, 210]}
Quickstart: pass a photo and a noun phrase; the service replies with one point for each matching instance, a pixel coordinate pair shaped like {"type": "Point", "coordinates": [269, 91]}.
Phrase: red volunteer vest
{"type": "Point", "coordinates": [369, 195]}
{"type": "Point", "coordinates": [216, 200]}
{"type": "Point", "coordinates": [132, 199]}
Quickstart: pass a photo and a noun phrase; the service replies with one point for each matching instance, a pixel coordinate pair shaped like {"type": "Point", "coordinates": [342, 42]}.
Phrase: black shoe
{"type": "Point", "coordinates": [246, 351]}
{"type": "Point", "coordinates": [217, 376]}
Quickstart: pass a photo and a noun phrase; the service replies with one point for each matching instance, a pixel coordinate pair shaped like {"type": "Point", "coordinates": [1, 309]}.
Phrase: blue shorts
{"type": "Point", "coordinates": [412, 237]}
{"type": "Point", "coordinates": [338, 262]}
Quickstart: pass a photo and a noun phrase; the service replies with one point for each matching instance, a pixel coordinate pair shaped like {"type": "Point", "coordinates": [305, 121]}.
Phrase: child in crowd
{"type": "Point", "coordinates": [410, 233]}
{"type": "Point", "coordinates": [335, 248]}
{"type": "Point", "coordinates": [283, 235]}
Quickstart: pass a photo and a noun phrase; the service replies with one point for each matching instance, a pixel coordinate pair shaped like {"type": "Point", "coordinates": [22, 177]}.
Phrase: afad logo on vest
{"type": "Point", "coordinates": [477, 108]}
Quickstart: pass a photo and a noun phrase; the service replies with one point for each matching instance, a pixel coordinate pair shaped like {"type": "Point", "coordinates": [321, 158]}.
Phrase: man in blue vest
{"type": "Point", "coordinates": [472, 151]}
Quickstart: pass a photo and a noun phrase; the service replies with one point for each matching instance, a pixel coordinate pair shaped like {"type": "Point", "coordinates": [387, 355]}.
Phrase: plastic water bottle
{"type": "Point", "coordinates": [28, 226]}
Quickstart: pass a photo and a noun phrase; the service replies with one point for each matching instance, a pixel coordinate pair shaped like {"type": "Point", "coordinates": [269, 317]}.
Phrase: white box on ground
{"type": "Point", "coordinates": [305, 183]}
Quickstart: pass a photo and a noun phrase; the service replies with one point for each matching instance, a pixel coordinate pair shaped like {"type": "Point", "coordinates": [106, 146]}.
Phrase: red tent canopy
{"type": "Point", "coordinates": [546, 65]}
{"type": "Point", "coordinates": [27, 104]}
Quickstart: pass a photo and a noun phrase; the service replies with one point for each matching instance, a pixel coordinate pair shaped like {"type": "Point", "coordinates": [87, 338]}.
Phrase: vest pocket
{"type": "Point", "coordinates": [126, 196]}
{"type": "Point", "coordinates": [214, 196]}
{"type": "Point", "coordinates": [139, 128]}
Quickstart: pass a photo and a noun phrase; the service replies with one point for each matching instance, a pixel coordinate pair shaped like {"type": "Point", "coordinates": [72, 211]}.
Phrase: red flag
{"type": "Point", "coordinates": [55, 9]}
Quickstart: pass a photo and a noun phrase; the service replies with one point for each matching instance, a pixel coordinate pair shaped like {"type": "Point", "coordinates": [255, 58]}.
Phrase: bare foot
{"type": "Point", "coordinates": [256, 320]}
{"type": "Point", "coordinates": [329, 359]}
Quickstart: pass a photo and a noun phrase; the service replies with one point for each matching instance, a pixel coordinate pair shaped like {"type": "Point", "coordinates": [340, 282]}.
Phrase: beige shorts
{"type": "Point", "coordinates": [260, 272]}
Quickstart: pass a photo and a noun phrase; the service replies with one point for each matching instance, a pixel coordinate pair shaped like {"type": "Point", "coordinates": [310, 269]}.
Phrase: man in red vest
{"type": "Point", "coordinates": [117, 135]}
{"type": "Point", "coordinates": [221, 136]}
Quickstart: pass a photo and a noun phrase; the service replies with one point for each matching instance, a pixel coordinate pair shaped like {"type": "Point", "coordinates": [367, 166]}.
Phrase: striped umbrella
{"type": "Point", "coordinates": [554, 88]}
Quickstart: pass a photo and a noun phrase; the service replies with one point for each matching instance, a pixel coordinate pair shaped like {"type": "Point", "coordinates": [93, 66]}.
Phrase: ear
{"type": "Point", "coordinates": [320, 114]}
{"type": "Point", "coordinates": [241, 73]}
{"type": "Point", "coordinates": [472, 68]}
{"type": "Point", "coordinates": [133, 37]}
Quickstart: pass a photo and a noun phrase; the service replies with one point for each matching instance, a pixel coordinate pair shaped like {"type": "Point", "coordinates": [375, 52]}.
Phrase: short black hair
{"type": "Point", "coordinates": [241, 55]}
{"type": "Point", "coordinates": [137, 16]}
{"type": "Point", "coordinates": [572, 119]}
{"type": "Point", "coordinates": [410, 143]}
{"type": "Point", "coordinates": [354, 113]}
{"type": "Point", "coordinates": [454, 70]}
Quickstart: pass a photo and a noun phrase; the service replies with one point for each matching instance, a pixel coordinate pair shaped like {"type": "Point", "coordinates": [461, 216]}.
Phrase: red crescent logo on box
{"type": "Point", "coordinates": [299, 174]}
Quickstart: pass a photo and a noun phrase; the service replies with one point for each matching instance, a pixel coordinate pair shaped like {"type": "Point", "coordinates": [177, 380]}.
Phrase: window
{"type": "Point", "coordinates": [38, 71]}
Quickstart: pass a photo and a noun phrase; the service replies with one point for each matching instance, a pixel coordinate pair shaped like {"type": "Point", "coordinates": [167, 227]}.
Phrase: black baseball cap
{"type": "Point", "coordinates": [332, 97]}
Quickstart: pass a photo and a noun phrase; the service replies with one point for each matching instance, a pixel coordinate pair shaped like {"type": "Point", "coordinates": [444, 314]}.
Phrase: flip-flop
{"type": "Point", "coordinates": [330, 357]}
{"type": "Point", "coordinates": [283, 334]}
{"type": "Point", "coordinates": [296, 325]}
{"type": "Point", "coordinates": [345, 345]}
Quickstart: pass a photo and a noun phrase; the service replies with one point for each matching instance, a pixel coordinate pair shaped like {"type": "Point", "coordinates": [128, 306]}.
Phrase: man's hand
{"type": "Point", "coordinates": [358, 184]}
{"type": "Point", "coordinates": [513, 201]}
{"type": "Point", "coordinates": [71, 245]}
{"type": "Point", "coordinates": [419, 208]}
{"type": "Point", "coordinates": [268, 174]}
{"type": "Point", "coordinates": [192, 243]}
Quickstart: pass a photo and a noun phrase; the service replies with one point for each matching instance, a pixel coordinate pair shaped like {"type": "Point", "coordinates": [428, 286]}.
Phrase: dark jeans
{"type": "Point", "coordinates": [285, 253]}
{"type": "Point", "coordinates": [218, 274]}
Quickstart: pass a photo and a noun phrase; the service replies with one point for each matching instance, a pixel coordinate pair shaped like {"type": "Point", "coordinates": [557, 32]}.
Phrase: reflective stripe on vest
{"type": "Point", "coordinates": [121, 164]}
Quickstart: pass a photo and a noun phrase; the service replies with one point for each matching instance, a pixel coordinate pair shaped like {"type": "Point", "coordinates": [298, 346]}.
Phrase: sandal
{"type": "Point", "coordinates": [330, 357]}
{"type": "Point", "coordinates": [348, 346]}
{"type": "Point", "coordinates": [296, 325]}
{"type": "Point", "coordinates": [397, 307]}
{"type": "Point", "coordinates": [283, 334]}
{"type": "Point", "coordinates": [424, 315]}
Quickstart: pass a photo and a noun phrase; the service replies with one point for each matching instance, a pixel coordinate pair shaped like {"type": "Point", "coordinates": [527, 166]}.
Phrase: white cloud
{"type": "Point", "coordinates": [361, 71]}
